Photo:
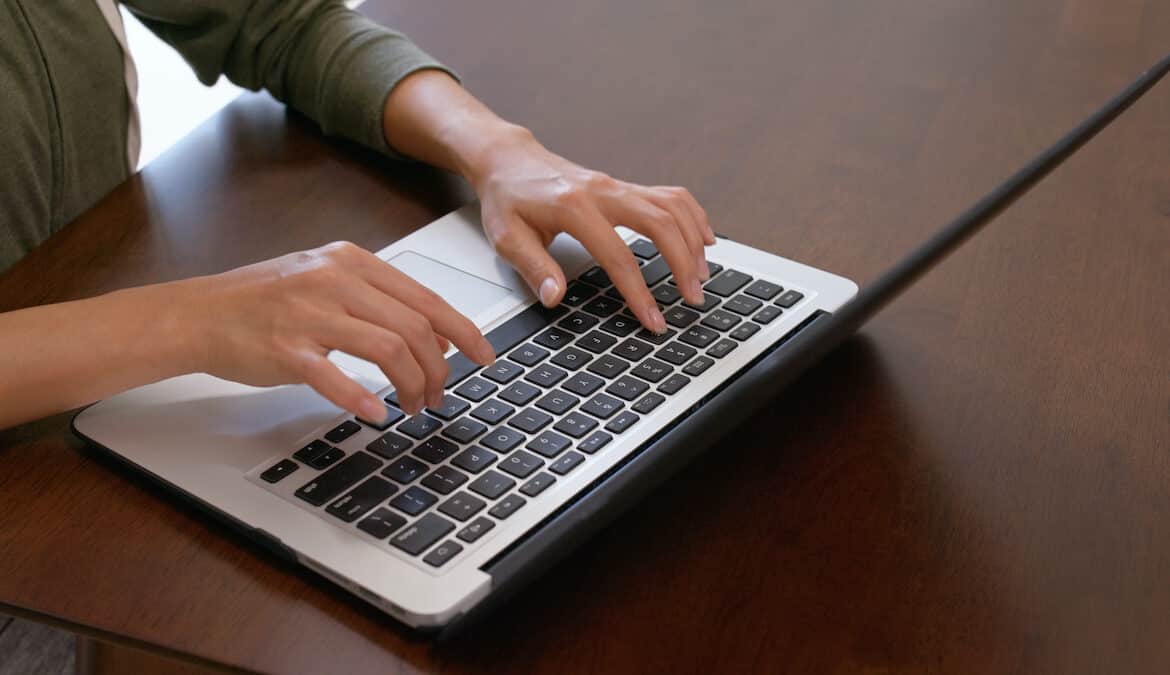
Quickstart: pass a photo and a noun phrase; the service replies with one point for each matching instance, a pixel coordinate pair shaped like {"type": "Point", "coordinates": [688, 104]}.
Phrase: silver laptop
{"type": "Point", "coordinates": [435, 518]}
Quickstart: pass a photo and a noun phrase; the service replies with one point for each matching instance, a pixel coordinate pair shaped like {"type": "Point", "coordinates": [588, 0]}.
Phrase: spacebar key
{"type": "Point", "coordinates": [338, 479]}
{"type": "Point", "coordinates": [505, 336]}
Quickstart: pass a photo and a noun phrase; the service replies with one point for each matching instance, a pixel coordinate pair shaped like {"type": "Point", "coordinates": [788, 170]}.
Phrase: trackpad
{"type": "Point", "coordinates": [467, 293]}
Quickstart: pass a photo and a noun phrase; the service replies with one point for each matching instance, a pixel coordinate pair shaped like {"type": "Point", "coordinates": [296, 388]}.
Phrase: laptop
{"type": "Point", "coordinates": [437, 517]}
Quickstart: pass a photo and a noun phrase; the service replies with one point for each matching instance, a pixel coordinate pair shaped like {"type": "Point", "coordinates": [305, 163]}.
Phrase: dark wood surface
{"type": "Point", "coordinates": [980, 482]}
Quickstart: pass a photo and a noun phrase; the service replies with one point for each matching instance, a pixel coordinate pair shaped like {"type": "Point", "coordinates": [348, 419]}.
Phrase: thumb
{"type": "Point", "coordinates": [523, 248]}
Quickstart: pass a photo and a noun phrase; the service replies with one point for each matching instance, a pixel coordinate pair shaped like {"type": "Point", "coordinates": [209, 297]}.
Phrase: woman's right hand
{"type": "Point", "coordinates": [275, 322]}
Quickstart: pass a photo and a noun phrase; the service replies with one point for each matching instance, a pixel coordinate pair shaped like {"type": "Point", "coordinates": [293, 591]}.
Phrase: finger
{"type": "Point", "coordinates": [386, 349]}
{"type": "Point", "coordinates": [324, 377]}
{"type": "Point", "coordinates": [445, 321]}
{"type": "Point", "coordinates": [444, 343]}
{"type": "Point", "coordinates": [660, 226]}
{"type": "Point", "coordinates": [691, 231]}
{"type": "Point", "coordinates": [597, 235]}
{"type": "Point", "coordinates": [365, 302]}
{"type": "Point", "coordinates": [699, 214]}
{"type": "Point", "coordinates": [523, 248]}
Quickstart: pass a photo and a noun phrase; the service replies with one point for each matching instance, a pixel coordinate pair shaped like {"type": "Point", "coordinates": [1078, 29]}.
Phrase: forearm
{"type": "Point", "coordinates": [58, 357]}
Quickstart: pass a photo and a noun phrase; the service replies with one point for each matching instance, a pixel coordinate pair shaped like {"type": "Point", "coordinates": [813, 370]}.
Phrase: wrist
{"type": "Point", "coordinates": [477, 149]}
{"type": "Point", "coordinates": [158, 322]}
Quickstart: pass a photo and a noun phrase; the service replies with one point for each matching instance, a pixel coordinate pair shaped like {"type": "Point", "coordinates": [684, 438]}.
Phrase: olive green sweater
{"type": "Point", "coordinates": [65, 113]}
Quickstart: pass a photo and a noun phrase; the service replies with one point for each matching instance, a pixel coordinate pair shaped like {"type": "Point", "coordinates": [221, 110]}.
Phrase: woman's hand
{"type": "Point", "coordinates": [529, 195]}
{"type": "Point", "coordinates": [275, 322]}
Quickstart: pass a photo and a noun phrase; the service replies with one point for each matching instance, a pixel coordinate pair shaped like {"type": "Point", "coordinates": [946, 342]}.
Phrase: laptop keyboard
{"type": "Point", "coordinates": [568, 381]}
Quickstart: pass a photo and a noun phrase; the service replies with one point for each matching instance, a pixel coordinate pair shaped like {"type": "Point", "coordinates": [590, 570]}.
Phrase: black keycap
{"type": "Point", "coordinates": [545, 375]}
{"type": "Point", "coordinates": [572, 358]}
{"type": "Point", "coordinates": [549, 444]}
{"type": "Point", "coordinates": [444, 479]}
{"type": "Point", "coordinates": [520, 464]}
{"type": "Point", "coordinates": [420, 426]}
{"type": "Point", "coordinates": [608, 366]}
{"type": "Point", "coordinates": [721, 320]}
{"type": "Point", "coordinates": [274, 473]}
{"type": "Point", "coordinates": [327, 458]}
{"type": "Point", "coordinates": [491, 485]}
{"type": "Point", "coordinates": [530, 421]}
{"type": "Point", "coordinates": [442, 553]}
{"type": "Point", "coordinates": [676, 353]}
{"type": "Point", "coordinates": [381, 523]}
{"type": "Point", "coordinates": [507, 506]}
{"type": "Point", "coordinates": [666, 294]}
{"type": "Point", "coordinates": [742, 304]}
{"type": "Point", "coordinates": [654, 271]}
{"type": "Point", "coordinates": [764, 290]}
{"type": "Point", "coordinates": [389, 445]}
{"type": "Point", "coordinates": [628, 388]}
{"type": "Point", "coordinates": [644, 249]}
{"type": "Point", "coordinates": [767, 314]}
{"type": "Point", "coordinates": [451, 407]}
{"type": "Point", "coordinates": [633, 349]}
{"type": "Point", "coordinates": [435, 450]}
{"type": "Point", "coordinates": [680, 317]}
{"type": "Point", "coordinates": [528, 354]}
{"type": "Point", "coordinates": [745, 331]}
{"type": "Point", "coordinates": [623, 421]}
{"type": "Point", "coordinates": [656, 338]}
{"type": "Point", "coordinates": [698, 336]}
{"type": "Point", "coordinates": [651, 370]}
{"type": "Point", "coordinates": [597, 277]}
{"type": "Point", "coordinates": [361, 499]}
{"type": "Point", "coordinates": [710, 302]}
{"type": "Point", "coordinates": [492, 412]}
{"type": "Point", "coordinates": [596, 341]}
{"type": "Point", "coordinates": [578, 322]}
{"type": "Point", "coordinates": [343, 431]}
{"type": "Point", "coordinates": [392, 415]}
{"type": "Point", "coordinates": [462, 506]}
{"type": "Point", "coordinates": [722, 348]}
{"type": "Point", "coordinates": [673, 384]}
{"type": "Point", "coordinates": [728, 282]}
{"type": "Point", "coordinates": [789, 298]}
{"type": "Point", "coordinates": [557, 401]}
{"type": "Point", "coordinates": [602, 406]}
{"type": "Point", "coordinates": [620, 325]}
{"type": "Point", "coordinates": [583, 384]}
{"type": "Point", "coordinates": [339, 479]}
{"type": "Point", "coordinates": [311, 451]}
{"type": "Point", "coordinates": [419, 536]}
{"type": "Point", "coordinates": [474, 459]}
{"type": "Point", "coordinates": [538, 483]}
{"type": "Point", "coordinates": [503, 439]}
{"type": "Point", "coordinates": [554, 338]}
{"type": "Point", "coordinates": [615, 294]}
{"type": "Point", "coordinates": [464, 430]}
{"type": "Point", "coordinates": [521, 327]}
{"type": "Point", "coordinates": [477, 388]}
{"type": "Point", "coordinates": [698, 366]}
{"type": "Point", "coordinates": [404, 470]}
{"type": "Point", "coordinates": [566, 463]}
{"type": "Point", "coordinates": [502, 372]}
{"type": "Point", "coordinates": [575, 424]}
{"type": "Point", "coordinates": [475, 529]}
{"type": "Point", "coordinates": [648, 402]}
{"type": "Point", "coordinates": [519, 393]}
{"type": "Point", "coordinates": [602, 306]}
{"type": "Point", "coordinates": [578, 292]}
{"type": "Point", "coordinates": [596, 441]}
{"type": "Point", "coordinates": [413, 501]}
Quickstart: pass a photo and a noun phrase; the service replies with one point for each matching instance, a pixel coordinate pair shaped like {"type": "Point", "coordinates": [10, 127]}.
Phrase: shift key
{"type": "Point", "coordinates": [422, 533]}
{"type": "Point", "coordinates": [340, 478]}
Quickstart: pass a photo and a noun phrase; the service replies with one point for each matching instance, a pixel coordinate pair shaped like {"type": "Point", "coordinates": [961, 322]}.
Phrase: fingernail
{"type": "Point", "coordinates": [549, 288]}
{"type": "Point", "coordinates": [704, 271]}
{"type": "Point", "coordinates": [372, 410]}
{"type": "Point", "coordinates": [696, 290]}
{"type": "Point", "coordinates": [657, 322]}
{"type": "Point", "coordinates": [487, 355]}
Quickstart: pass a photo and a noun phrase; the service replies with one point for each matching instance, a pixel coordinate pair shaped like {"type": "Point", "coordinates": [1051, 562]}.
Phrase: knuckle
{"type": "Point", "coordinates": [393, 347]}
{"type": "Point", "coordinates": [599, 180]}
{"type": "Point", "coordinates": [571, 197]}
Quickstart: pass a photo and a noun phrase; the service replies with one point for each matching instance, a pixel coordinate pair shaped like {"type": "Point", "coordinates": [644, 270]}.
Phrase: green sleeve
{"type": "Point", "coordinates": [323, 59]}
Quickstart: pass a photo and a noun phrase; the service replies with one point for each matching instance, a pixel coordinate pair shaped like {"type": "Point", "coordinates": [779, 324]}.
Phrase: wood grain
{"type": "Point", "coordinates": [978, 483]}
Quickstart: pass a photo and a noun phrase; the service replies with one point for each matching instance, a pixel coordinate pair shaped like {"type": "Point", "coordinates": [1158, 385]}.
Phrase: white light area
{"type": "Point", "coordinates": [171, 101]}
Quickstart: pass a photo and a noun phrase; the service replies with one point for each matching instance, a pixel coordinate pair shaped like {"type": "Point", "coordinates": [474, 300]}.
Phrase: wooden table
{"type": "Point", "coordinates": [980, 482]}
